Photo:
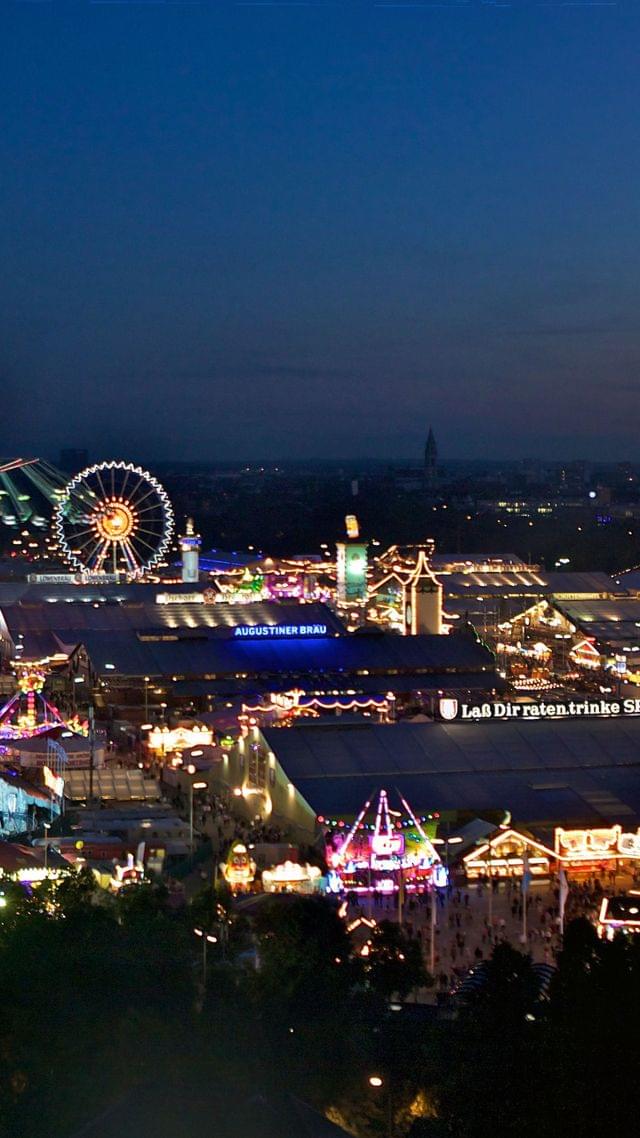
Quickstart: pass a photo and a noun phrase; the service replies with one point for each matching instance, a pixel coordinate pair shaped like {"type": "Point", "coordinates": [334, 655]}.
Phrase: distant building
{"type": "Point", "coordinates": [431, 461]}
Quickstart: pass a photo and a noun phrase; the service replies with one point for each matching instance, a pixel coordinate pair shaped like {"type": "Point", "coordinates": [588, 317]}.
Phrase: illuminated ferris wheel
{"type": "Point", "coordinates": [113, 518]}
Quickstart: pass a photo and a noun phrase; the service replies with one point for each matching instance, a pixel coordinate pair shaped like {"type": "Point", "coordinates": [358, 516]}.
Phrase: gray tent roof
{"type": "Point", "coordinates": [546, 773]}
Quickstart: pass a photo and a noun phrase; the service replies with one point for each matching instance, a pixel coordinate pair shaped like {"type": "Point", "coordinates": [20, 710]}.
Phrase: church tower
{"type": "Point", "coordinates": [431, 461]}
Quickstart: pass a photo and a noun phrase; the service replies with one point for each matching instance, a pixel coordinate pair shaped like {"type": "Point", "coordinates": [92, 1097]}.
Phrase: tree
{"type": "Point", "coordinates": [304, 994]}
{"type": "Point", "coordinates": [492, 1055]}
{"type": "Point", "coordinates": [393, 962]}
{"type": "Point", "coordinates": [305, 952]}
{"type": "Point", "coordinates": [94, 995]}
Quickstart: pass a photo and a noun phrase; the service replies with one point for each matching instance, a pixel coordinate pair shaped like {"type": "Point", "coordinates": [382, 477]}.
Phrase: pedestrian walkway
{"type": "Point", "coordinates": [472, 919]}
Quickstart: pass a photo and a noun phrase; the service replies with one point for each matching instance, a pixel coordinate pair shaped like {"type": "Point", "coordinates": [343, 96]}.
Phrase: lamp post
{"type": "Point", "coordinates": [490, 887]}
{"type": "Point", "coordinates": [76, 680]}
{"type": "Point", "coordinates": [146, 698]}
{"type": "Point", "coordinates": [434, 921]}
{"type": "Point", "coordinates": [92, 751]}
{"type": "Point", "coordinates": [484, 842]}
{"type": "Point", "coordinates": [207, 938]}
{"type": "Point", "coordinates": [191, 770]}
{"type": "Point", "coordinates": [378, 1083]}
{"type": "Point", "coordinates": [47, 827]}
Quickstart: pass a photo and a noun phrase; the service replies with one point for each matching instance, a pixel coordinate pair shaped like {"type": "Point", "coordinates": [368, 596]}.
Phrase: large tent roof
{"type": "Point", "coordinates": [77, 611]}
{"type": "Point", "coordinates": [369, 656]}
{"type": "Point", "coordinates": [531, 583]}
{"type": "Point", "coordinates": [546, 773]}
{"type": "Point", "coordinates": [615, 622]}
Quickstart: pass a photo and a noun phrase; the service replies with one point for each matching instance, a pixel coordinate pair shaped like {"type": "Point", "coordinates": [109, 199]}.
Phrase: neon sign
{"type": "Point", "coordinates": [591, 845]}
{"type": "Point", "coordinates": [278, 631]}
{"type": "Point", "coordinates": [387, 845]}
{"type": "Point", "coordinates": [570, 709]}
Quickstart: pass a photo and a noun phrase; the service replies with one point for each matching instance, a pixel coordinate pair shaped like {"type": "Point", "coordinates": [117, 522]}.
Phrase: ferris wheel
{"type": "Point", "coordinates": [113, 518]}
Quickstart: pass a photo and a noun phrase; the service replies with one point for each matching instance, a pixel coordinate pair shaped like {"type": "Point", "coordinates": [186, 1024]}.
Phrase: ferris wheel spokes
{"type": "Point", "coordinates": [114, 514]}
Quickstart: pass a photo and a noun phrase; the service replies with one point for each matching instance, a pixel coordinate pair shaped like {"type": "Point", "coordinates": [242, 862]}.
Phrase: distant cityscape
{"type": "Point", "coordinates": [583, 513]}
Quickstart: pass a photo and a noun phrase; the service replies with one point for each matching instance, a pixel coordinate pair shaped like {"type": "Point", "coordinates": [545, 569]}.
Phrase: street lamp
{"type": "Point", "coordinates": [207, 938]}
{"type": "Point", "coordinates": [146, 697]}
{"type": "Point", "coordinates": [377, 1082]}
{"type": "Point", "coordinates": [191, 770]}
{"type": "Point", "coordinates": [482, 842]}
{"type": "Point", "coordinates": [47, 827]}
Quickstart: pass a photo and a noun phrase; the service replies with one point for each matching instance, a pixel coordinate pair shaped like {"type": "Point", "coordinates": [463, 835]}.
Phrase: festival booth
{"type": "Point", "coordinates": [166, 740]}
{"type": "Point", "coordinates": [586, 851]}
{"type": "Point", "coordinates": [284, 708]}
{"type": "Point", "coordinates": [28, 865]}
{"type": "Point", "coordinates": [504, 855]}
{"type": "Point", "coordinates": [239, 870]}
{"type": "Point", "coordinates": [598, 850]}
{"type": "Point", "coordinates": [127, 874]}
{"type": "Point", "coordinates": [274, 866]}
{"type": "Point", "coordinates": [619, 915]}
{"type": "Point", "coordinates": [291, 877]}
{"type": "Point", "coordinates": [44, 751]}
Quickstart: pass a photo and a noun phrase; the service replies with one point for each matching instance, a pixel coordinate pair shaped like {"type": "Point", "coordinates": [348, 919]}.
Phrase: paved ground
{"type": "Point", "coordinates": [470, 920]}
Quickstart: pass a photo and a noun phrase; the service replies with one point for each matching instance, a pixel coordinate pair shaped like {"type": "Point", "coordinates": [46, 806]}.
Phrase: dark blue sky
{"type": "Point", "coordinates": [269, 230]}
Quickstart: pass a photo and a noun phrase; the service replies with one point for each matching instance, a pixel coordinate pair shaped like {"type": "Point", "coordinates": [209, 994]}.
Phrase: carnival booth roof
{"type": "Point", "coordinates": [578, 771]}
{"type": "Point", "coordinates": [14, 857]}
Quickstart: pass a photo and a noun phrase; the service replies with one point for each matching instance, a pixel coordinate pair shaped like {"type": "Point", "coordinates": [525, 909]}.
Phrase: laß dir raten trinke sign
{"type": "Point", "coordinates": [451, 709]}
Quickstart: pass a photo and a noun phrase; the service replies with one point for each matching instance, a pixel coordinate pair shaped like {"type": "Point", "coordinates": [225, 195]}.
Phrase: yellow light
{"type": "Point", "coordinates": [116, 521]}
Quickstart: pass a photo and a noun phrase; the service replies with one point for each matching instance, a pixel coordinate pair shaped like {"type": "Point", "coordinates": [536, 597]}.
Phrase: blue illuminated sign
{"type": "Point", "coordinates": [278, 631]}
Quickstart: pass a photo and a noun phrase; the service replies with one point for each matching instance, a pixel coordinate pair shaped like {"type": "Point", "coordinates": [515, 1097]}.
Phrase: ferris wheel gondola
{"type": "Point", "coordinates": [114, 518]}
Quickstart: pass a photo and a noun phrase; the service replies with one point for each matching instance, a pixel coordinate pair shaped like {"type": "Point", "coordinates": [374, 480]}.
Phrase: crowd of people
{"type": "Point", "coordinates": [217, 825]}
{"type": "Point", "coordinates": [472, 918]}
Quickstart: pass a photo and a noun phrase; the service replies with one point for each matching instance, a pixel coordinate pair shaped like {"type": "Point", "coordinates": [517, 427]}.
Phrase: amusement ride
{"type": "Point", "coordinates": [113, 518]}
{"type": "Point", "coordinates": [29, 713]}
{"type": "Point", "coordinates": [385, 850]}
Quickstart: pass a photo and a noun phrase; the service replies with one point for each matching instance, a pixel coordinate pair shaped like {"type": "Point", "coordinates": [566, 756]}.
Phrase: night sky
{"type": "Point", "coordinates": [310, 230]}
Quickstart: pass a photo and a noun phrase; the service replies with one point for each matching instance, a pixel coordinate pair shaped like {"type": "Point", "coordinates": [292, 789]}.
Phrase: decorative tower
{"type": "Point", "coordinates": [423, 601]}
{"type": "Point", "coordinates": [431, 461]}
{"type": "Point", "coordinates": [190, 550]}
{"type": "Point", "coordinates": [352, 564]}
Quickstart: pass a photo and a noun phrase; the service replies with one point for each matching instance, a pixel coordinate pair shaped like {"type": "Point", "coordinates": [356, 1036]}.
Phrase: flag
{"type": "Point", "coordinates": [526, 874]}
{"type": "Point", "coordinates": [564, 893]}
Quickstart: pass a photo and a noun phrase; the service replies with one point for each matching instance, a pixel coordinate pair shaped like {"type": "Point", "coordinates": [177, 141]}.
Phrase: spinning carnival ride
{"type": "Point", "coordinates": [28, 714]}
{"type": "Point", "coordinates": [28, 489]}
{"type": "Point", "coordinates": [392, 852]}
{"type": "Point", "coordinates": [114, 518]}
